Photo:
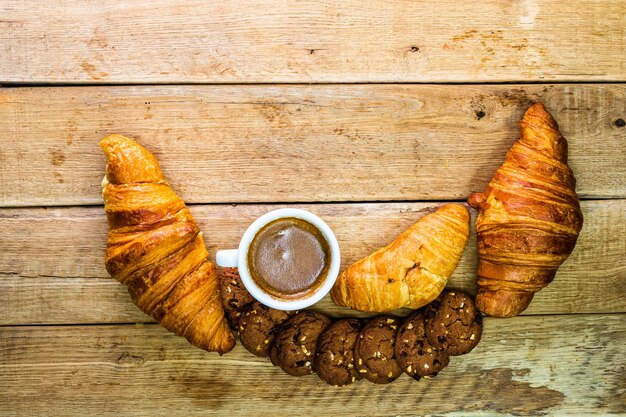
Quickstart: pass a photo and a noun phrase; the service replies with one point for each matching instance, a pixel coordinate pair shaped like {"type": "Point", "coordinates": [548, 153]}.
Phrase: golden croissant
{"type": "Point", "coordinates": [529, 218]}
{"type": "Point", "coordinates": [412, 270]}
{"type": "Point", "coordinates": [156, 249]}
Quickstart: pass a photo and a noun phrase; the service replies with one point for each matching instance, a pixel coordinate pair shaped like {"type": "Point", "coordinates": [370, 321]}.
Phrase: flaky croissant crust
{"type": "Point", "coordinates": [412, 270]}
{"type": "Point", "coordinates": [529, 217]}
{"type": "Point", "coordinates": [156, 249]}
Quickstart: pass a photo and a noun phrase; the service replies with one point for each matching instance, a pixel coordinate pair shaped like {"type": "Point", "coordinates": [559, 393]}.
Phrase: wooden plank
{"type": "Point", "coordinates": [179, 41]}
{"type": "Point", "coordinates": [300, 143]}
{"type": "Point", "coordinates": [52, 268]}
{"type": "Point", "coordinates": [556, 365]}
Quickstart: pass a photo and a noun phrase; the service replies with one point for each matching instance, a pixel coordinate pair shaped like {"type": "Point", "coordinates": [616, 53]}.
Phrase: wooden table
{"type": "Point", "coordinates": [369, 114]}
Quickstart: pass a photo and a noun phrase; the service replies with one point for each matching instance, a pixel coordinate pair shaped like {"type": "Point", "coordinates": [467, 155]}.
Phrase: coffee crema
{"type": "Point", "coordinates": [289, 258]}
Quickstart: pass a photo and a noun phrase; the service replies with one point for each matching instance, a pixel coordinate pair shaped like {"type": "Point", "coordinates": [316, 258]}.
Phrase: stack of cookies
{"type": "Point", "coordinates": [346, 350]}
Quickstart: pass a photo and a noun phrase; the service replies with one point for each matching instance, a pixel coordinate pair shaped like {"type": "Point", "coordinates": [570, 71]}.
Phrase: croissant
{"type": "Point", "coordinates": [412, 270]}
{"type": "Point", "coordinates": [156, 249]}
{"type": "Point", "coordinates": [529, 218]}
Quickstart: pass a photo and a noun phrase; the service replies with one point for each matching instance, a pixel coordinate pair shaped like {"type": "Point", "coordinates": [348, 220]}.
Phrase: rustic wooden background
{"type": "Point", "coordinates": [370, 114]}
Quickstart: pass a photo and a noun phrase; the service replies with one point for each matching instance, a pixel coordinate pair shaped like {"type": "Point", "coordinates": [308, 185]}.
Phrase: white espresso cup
{"type": "Point", "coordinates": [239, 258]}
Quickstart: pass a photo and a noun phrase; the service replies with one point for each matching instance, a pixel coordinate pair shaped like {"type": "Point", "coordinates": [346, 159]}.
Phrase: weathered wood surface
{"type": "Point", "coordinates": [300, 143]}
{"type": "Point", "coordinates": [52, 262]}
{"type": "Point", "coordinates": [554, 365]}
{"type": "Point", "coordinates": [265, 41]}
{"type": "Point", "coordinates": [371, 152]}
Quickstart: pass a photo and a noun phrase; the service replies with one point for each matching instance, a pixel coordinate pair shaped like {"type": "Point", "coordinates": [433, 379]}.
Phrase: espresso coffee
{"type": "Point", "coordinates": [289, 258]}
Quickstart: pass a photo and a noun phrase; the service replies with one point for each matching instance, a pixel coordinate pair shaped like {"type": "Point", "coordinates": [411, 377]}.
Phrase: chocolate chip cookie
{"type": "Point", "coordinates": [374, 350]}
{"type": "Point", "coordinates": [453, 323]}
{"type": "Point", "coordinates": [235, 297]}
{"type": "Point", "coordinates": [258, 327]}
{"type": "Point", "coordinates": [295, 344]}
{"type": "Point", "coordinates": [415, 354]}
{"type": "Point", "coordinates": [334, 360]}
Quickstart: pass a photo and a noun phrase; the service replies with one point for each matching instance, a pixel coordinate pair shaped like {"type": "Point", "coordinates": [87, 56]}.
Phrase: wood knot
{"type": "Point", "coordinates": [126, 359]}
{"type": "Point", "coordinates": [58, 158]}
{"type": "Point", "coordinates": [480, 114]}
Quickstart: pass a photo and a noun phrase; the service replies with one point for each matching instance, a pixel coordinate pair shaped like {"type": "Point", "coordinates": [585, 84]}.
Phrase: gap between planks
{"type": "Point", "coordinates": [290, 203]}
{"type": "Point", "coordinates": [42, 84]}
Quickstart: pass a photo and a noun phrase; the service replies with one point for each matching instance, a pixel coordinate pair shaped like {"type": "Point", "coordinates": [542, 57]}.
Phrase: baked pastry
{"type": "Point", "coordinates": [334, 359]}
{"type": "Point", "coordinates": [412, 270]}
{"type": "Point", "coordinates": [453, 323]}
{"type": "Point", "coordinates": [156, 249]}
{"type": "Point", "coordinates": [374, 351]}
{"type": "Point", "coordinates": [529, 218]}
{"type": "Point", "coordinates": [258, 327]}
{"type": "Point", "coordinates": [295, 344]}
{"type": "Point", "coordinates": [415, 354]}
{"type": "Point", "coordinates": [235, 297]}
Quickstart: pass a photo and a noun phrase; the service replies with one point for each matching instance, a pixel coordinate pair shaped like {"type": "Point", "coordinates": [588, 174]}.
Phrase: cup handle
{"type": "Point", "coordinates": [227, 258]}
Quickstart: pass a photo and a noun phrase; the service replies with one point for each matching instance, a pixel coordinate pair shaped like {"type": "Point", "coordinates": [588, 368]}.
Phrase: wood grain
{"type": "Point", "coordinates": [261, 41]}
{"type": "Point", "coordinates": [365, 154]}
{"type": "Point", "coordinates": [300, 143]}
{"type": "Point", "coordinates": [52, 263]}
{"type": "Point", "coordinates": [557, 366]}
